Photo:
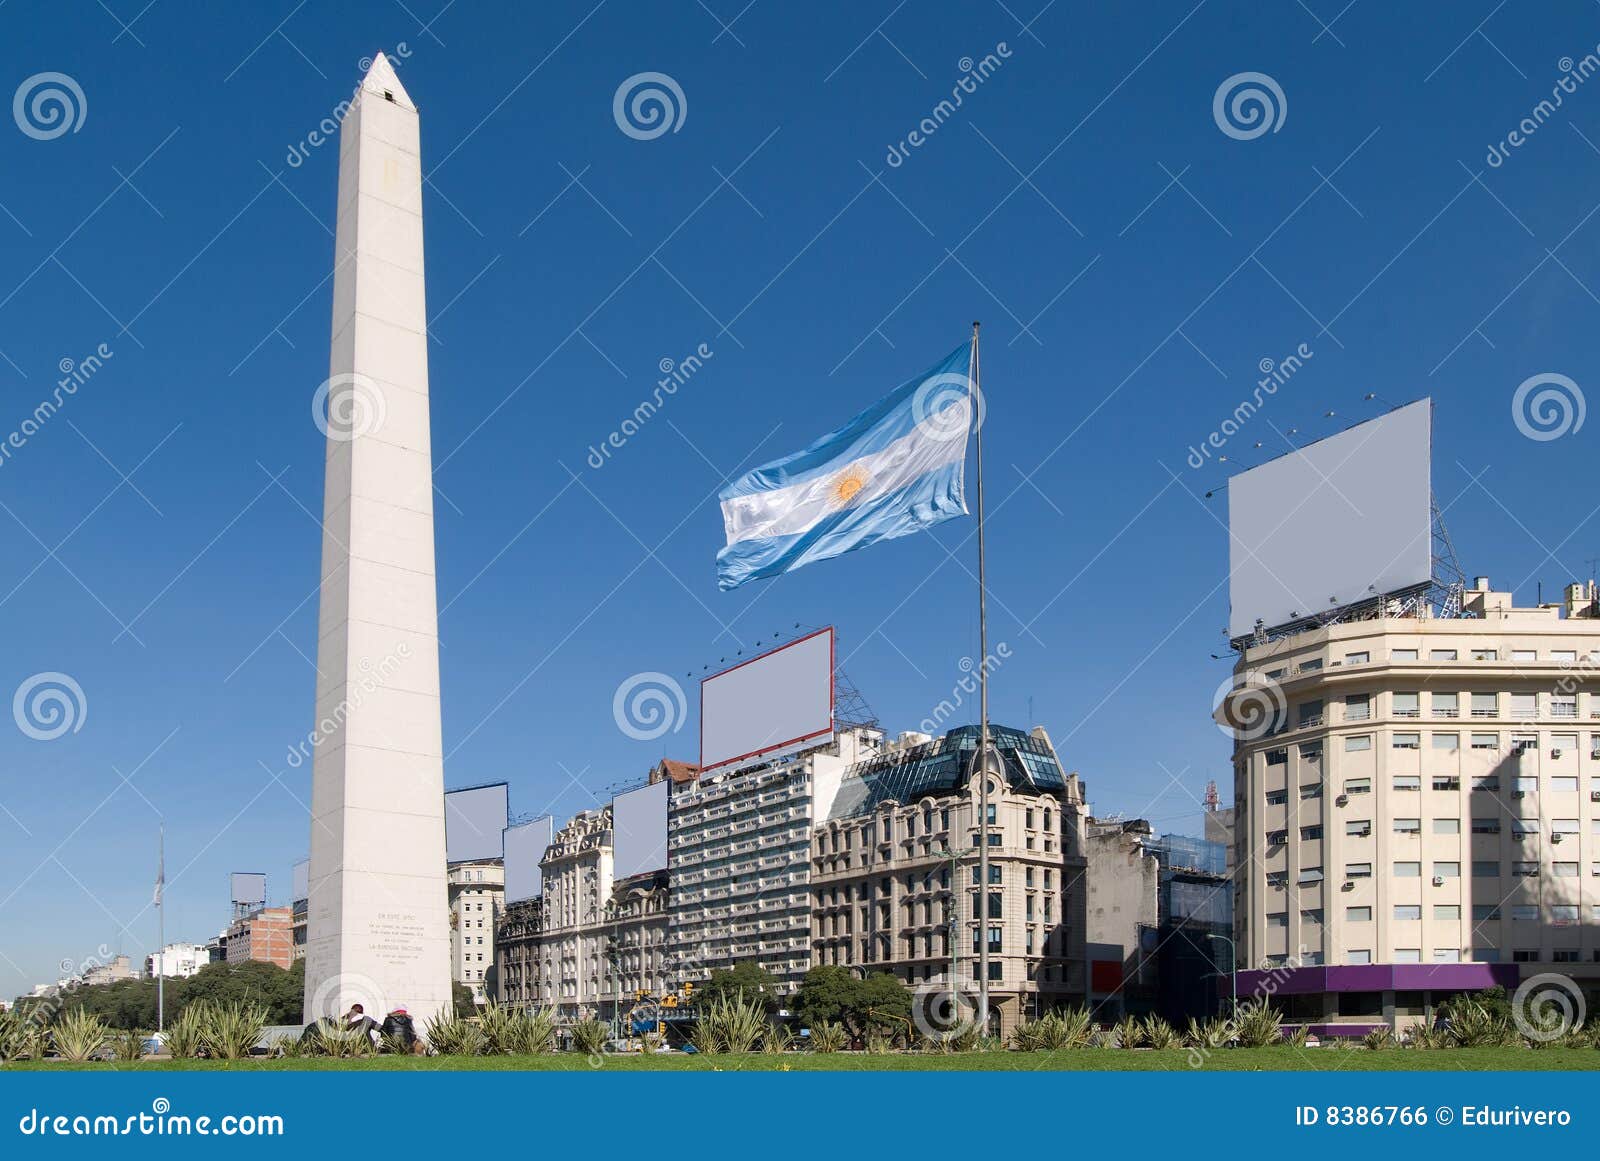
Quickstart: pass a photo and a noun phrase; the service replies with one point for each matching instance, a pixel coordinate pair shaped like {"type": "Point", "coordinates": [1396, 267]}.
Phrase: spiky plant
{"type": "Point", "coordinates": [1027, 1036]}
{"type": "Point", "coordinates": [1426, 1034]}
{"type": "Point", "coordinates": [234, 1029]}
{"type": "Point", "coordinates": [1298, 1036]}
{"type": "Point", "coordinates": [1129, 1032]}
{"type": "Point", "coordinates": [1158, 1033]}
{"type": "Point", "coordinates": [1258, 1025]}
{"type": "Point", "coordinates": [532, 1031]}
{"type": "Point", "coordinates": [1378, 1038]}
{"type": "Point", "coordinates": [80, 1035]}
{"type": "Point", "coordinates": [14, 1036]}
{"type": "Point", "coordinates": [185, 1036]}
{"type": "Point", "coordinates": [777, 1040]}
{"type": "Point", "coordinates": [450, 1035]}
{"type": "Point", "coordinates": [827, 1036]}
{"type": "Point", "coordinates": [878, 1043]}
{"type": "Point", "coordinates": [128, 1047]}
{"type": "Point", "coordinates": [1475, 1025]}
{"type": "Point", "coordinates": [589, 1037]}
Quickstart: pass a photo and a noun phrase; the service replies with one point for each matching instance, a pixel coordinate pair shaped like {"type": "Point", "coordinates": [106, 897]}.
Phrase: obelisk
{"type": "Point", "coordinates": [378, 925]}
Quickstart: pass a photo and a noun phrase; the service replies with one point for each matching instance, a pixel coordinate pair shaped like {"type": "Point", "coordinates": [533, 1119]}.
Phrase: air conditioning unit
{"type": "Point", "coordinates": [1555, 836]}
{"type": "Point", "coordinates": [1344, 799]}
{"type": "Point", "coordinates": [1517, 836]}
{"type": "Point", "coordinates": [1438, 880]}
{"type": "Point", "coordinates": [1555, 753]}
{"type": "Point", "coordinates": [1594, 796]}
{"type": "Point", "coordinates": [1519, 794]}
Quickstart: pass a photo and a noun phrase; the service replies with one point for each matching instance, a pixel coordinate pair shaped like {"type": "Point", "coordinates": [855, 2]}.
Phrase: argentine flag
{"type": "Point", "coordinates": [896, 468]}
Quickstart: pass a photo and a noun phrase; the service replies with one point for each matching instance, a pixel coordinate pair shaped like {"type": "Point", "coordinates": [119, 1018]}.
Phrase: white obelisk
{"type": "Point", "coordinates": [378, 926]}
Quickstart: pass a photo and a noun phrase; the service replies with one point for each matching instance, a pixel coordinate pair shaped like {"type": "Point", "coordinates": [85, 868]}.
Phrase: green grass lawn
{"type": "Point", "coordinates": [1104, 1059]}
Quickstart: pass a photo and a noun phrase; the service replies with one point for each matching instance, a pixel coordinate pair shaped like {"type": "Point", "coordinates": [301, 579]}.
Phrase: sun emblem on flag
{"type": "Point", "coordinates": [847, 485]}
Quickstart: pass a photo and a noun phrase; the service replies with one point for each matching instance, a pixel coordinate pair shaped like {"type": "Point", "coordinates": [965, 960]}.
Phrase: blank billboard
{"type": "Point", "coordinates": [1340, 521]}
{"type": "Point", "coordinates": [248, 887]}
{"type": "Point", "coordinates": [302, 880]}
{"type": "Point", "coordinates": [474, 823]}
{"type": "Point", "coordinates": [525, 845]}
{"type": "Point", "coordinates": [639, 830]}
{"type": "Point", "coordinates": [769, 703]}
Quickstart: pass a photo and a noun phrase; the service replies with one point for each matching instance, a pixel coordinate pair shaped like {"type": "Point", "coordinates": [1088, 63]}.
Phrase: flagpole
{"type": "Point", "coordinates": [983, 709]}
{"type": "Point", "coordinates": [161, 929]}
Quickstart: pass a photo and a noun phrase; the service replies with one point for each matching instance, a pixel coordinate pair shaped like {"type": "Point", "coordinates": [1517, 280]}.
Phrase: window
{"type": "Point", "coordinates": [1566, 825]}
{"type": "Point", "coordinates": [1312, 751]}
{"type": "Point", "coordinates": [1446, 705]}
{"type": "Point", "coordinates": [1408, 955]}
{"type": "Point", "coordinates": [1358, 827]}
{"type": "Point", "coordinates": [1311, 713]}
{"type": "Point", "coordinates": [1490, 782]}
{"type": "Point", "coordinates": [1357, 658]}
{"type": "Point", "coordinates": [1447, 955]}
{"type": "Point", "coordinates": [1358, 870]}
{"type": "Point", "coordinates": [1564, 656]}
{"type": "Point", "coordinates": [1358, 956]}
{"type": "Point", "coordinates": [1447, 742]}
{"type": "Point", "coordinates": [1564, 785]}
{"type": "Point", "coordinates": [1525, 912]}
{"type": "Point", "coordinates": [1524, 655]}
{"type": "Point", "coordinates": [1485, 912]}
{"type": "Point", "coordinates": [1310, 790]}
{"type": "Point", "coordinates": [1407, 912]}
{"type": "Point", "coordinates": [1486, 826]}
{"type": "Point", "coordinates": [1311, 915]}
{"type": "Point", "coordinates": [1406, 705]}
{"type": "Point", "coordinates": [1358, 915]}
{"type": "Point", "coordinates": [1277, 838]}
{"type": "Point", "coordinates": [1408, 826]}
{"type": "Point", "coordinates": [1357, 707]}
{"type": "Point", "coordinates": [1408, 782]}
{"type": "Point", "coordinates": [1525, 955]}
{"type": "Point", "coordinates": [1524, 706]}
{"type": "Point", "coordinates": [1407, 870]}
{"type": "Point", "coordinates": [1563, 705]}
{"type": "Point", "coordinates": [1485, 741]}
{"type": "Point", "coordinates": [1402, 655]}
{"type": "Point", "coordinates": [1309, 875]}
{"type": "Point", "coordinates": [1446, 782]}
{"type": "Point", "coordinates": [1525, 869]}
{"type": "Point", "coordinates": [1356, 744]}
{"type": "Point", "coordinates": [1563, 914]}
{"type": "Point", "coordinates": [1441, 655]}
{"type": "Point", "coordinates": [1277, 757]}
{"type": "Point", "coordinates": [1446, 870]}
{"type": "Point", "coordinates": [1310, 834]}
{"type": "Point", "coordinates": [1447, 911]}
{"type": "Point", "coordinates": [1407, 742]}
{"type": "Point", "coordinates": [1447, 826]}
{"type": "Point", "coordinates": [1358, 786]}
{"type": "Point", "coordinates": [1485, 705]}
{"type": "Point", "coordinates": [1277, 797]}
{"type": "Point", "coordinates": [1486, 955]}
{"type": "Point", "coordinates": [1278, 919]}
{"type": "Point", "coordinates": [1521, 743]}
{"type": "Point", "coordinates": [1564, 870]}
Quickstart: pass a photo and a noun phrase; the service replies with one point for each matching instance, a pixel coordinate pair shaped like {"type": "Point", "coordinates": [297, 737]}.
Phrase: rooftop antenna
{"type": "Point", "coordinates": [1213, 799]}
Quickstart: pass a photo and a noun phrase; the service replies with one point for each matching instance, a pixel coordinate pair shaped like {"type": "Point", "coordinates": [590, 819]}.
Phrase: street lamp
{"type": "Point", "coordinates": [1233, 969]}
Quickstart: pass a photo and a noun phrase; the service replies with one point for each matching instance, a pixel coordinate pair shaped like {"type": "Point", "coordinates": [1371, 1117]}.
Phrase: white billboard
{"type": "Point", "coordinates": [302, 881]}
{"type": "Point", "coordinates": [525, 845]}
{"type": "Point", "coordinates": [1340, 521]}
{"type": "Point", "coordinates": [639, 830]}
{"type": "Point", "coordinates": [474, 822]}
{"type": "Point", "coordinates": [768, 704]}
{"type": "Point", "coordinates": [248, 887]}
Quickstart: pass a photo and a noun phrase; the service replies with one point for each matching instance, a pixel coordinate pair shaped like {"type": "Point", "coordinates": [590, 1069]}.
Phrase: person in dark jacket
{"type": "Point", "coordinates": [356, 1020]}
{"type": "Point", "coordinates": [399, 1030]}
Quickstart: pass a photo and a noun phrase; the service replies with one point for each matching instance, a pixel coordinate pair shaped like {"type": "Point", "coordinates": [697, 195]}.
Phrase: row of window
{"type": "Point", "coordinates": [1480, 653]}
{"type": "Point", "coordinates": [1451, 742]}
{"type": "Point", "coordinates": [1442, 869]}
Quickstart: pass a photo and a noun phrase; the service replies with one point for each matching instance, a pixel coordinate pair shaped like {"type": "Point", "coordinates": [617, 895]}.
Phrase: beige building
{"type": "Point", "coordinates": [477, 892]}
{"type": "Point", "coordinates": [265, 934]}
{"type": "Point", "coordinates": [895, 871]}
{"type": "Point", "coordinates": [1419, 812]}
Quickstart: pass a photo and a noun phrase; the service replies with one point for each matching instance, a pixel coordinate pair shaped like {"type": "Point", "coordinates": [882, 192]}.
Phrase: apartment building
{"type": "Point", "coordinates": [1418, 814]}
{"type": "Point", "coordinates": [895, 875]}
{"type": "Point", "coordinates": [477, 894]}
{"type": "Point", "coordinates": [739, 859]}
{"type": "Point", "coordinates": [176, 961]}
{"type": "Point", "coordinates": [265, 934]}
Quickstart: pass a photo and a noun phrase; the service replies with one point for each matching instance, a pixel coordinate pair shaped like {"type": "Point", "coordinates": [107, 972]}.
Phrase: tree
{"type": "Point", "coordinates": [747, 981]}
{"type": "Point", "coordinates": [834, 994]}
{"type": "Point", "coordinates": [461, 996]}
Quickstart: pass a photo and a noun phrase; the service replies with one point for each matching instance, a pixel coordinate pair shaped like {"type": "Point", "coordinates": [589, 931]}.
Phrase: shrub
{"type": "Point", "coordinates": [777, 1040]}
{"type": "Point", "coordinates": [1378, 1038]}
{"type": "Point", "coordinates": [826, 1036]}
{"type": "Point", "coordinates": [590, 1036]}
{"type": "Point", "coordinates": [230, 1031]}
{"type": "Point", "coordinates": [184, 1037]}
{"type": "Point", "coordinates": [1476, 1025]}
{"type": "Point", "coordinates": [452, 1035]}
{"type": "Point", "coordinates": [79, 1035]}
{"type": "Point", "coordinates": [1129, 1032]}
{"type": "Point", "coordinates": [1258, 1025]}
{"type": "Point", "coordinates": [16, 1036]}
{"type": "Point", "coordinates": [128, 1047]}
{"type": "Point", "coordinates": [516, 1031]}
{"type": "Point", "coordinates": [1157, 1033]}
{"type": "Point", "coordinates": [1425, 1034]}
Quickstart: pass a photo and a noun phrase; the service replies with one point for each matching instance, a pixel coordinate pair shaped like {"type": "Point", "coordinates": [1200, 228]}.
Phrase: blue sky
{"type": "Point", "coordinates": [1132, 263]}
